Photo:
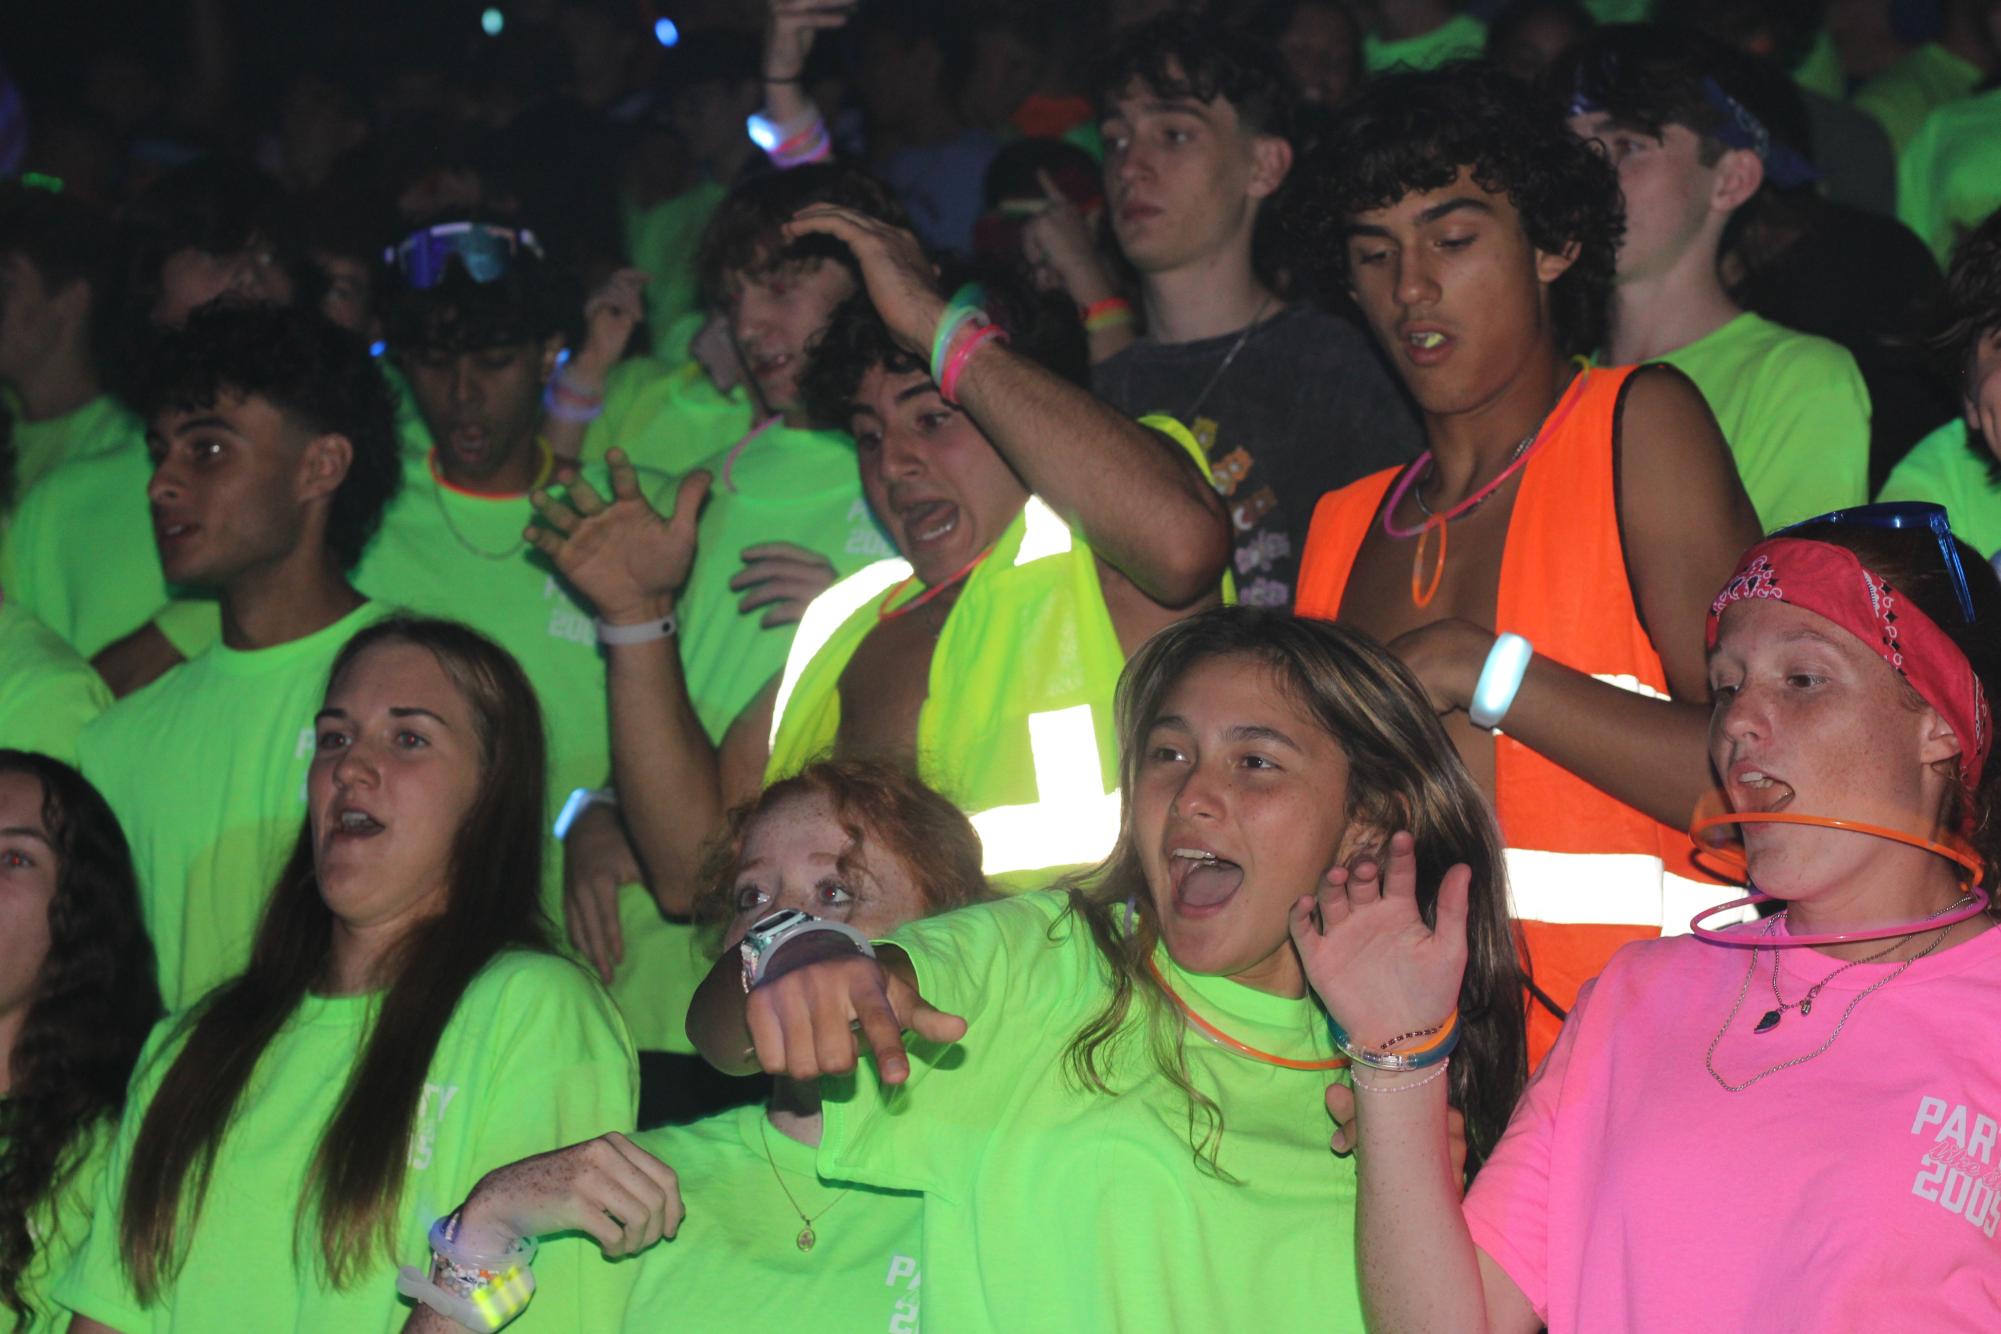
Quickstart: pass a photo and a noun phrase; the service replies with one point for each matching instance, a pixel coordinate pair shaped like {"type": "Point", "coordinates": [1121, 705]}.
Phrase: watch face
{"type": "Point", "coordinates": [772, 923]}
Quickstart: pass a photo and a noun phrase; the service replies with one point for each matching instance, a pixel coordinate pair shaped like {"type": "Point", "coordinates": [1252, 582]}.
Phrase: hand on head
{"type": "Point", "coordinates": [902, 281]}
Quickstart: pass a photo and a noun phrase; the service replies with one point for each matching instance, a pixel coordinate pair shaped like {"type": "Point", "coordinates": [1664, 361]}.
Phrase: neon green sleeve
{"type": "Point", "coordinates": [1803, 446]}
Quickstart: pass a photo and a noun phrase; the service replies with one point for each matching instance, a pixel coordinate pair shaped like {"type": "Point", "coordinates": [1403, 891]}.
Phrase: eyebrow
{"type": "Point", "coordinates": [1445, 208]}
{"type": "Point", "coordinates": [917, 390]}
{"type": "Point", "coordinates": [210, 423]}
{"type": "Point", "coordinates": [401, 711]}
{"type": "Point", "coordinates": [27, 831]}
{"type": "Point", "coordinates": [1235, 732]}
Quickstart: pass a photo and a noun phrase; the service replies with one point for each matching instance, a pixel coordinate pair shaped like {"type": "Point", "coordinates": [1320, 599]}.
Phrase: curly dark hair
{"type": "Point", "coordinates": [1969, 313]}
{"type": "Point", "coordinates": [95, 1001]}
{"type": "Point", "coordinates": [535, 297]}
{"type": "Point", "coordinates": [743, 237]}
{"type": "Point", "coordinates": [1042, 326]}
{"type": "Point", "coordinates": [315, 372]}
{"type": "Point", "coordinates": [1409, 132]}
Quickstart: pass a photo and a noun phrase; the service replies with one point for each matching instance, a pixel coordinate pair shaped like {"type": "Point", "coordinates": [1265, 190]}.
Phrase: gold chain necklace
{"type": "Point", "coordinates": [440, 485]}
{"type": "Point", "coordinates": [806, 1238]}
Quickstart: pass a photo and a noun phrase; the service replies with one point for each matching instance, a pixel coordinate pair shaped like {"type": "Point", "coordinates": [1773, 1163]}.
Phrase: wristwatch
{"type": "Point", "coordinates": [767, 933]}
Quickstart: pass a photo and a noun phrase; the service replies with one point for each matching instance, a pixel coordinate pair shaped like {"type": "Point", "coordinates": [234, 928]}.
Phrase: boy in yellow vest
{"type": "Point", "coordinates": [1042, 536]}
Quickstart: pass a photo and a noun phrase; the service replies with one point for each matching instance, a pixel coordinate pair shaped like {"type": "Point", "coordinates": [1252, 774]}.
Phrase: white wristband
{"type": "Point", "coordinates": [581, 800]}
{"type": "Point", "coordinates": [645, 632]}
{"type": "Point", "coordinates": [1500, 680]}
{"type": "Point", "coordinates": [762, 964]}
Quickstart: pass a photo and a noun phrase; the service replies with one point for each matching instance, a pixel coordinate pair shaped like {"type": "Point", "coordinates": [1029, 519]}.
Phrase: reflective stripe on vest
{"type": "Point", "coordinates": [1073, 822]}
{"type": "Point", "coordinates": [1609, 889]}
{"type": "Point", "coordinates": [825, 615]}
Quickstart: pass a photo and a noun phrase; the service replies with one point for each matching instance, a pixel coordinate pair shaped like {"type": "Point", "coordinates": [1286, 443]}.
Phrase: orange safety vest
{"type": "Point", "coordinates": [1586, 872]}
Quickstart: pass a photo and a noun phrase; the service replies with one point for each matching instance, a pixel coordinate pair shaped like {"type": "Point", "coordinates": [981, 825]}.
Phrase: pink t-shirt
{"type": "Point", "coordinates": [1858, 1191]}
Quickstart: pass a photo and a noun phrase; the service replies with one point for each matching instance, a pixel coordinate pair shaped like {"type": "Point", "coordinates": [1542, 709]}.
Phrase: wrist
{"type": "Point", "coordinates": [804, 950]}
{"type": "Point", "coordinates": [639, 612]}
{"type": "Point", "coordinates": [1498, 664]}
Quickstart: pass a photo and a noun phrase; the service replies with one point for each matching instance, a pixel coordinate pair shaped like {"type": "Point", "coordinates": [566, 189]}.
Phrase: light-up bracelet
{"type": "Point", "coordinates": [962, 352]}
{"type": "Point", "coordinates": [1418, 1058]}
{"type": "Point", "coordinates": [581, 800]}
{"type": "Point", "coordinates": [961, 310]}
{"type": "Point", "coordinates": [1500, 680]}
{"type": "Point", "coordinates": [480, 1291]}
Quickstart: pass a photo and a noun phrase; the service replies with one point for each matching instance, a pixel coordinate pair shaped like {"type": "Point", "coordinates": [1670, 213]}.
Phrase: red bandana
{"type": "Point", "coordinates": [1829, 581]}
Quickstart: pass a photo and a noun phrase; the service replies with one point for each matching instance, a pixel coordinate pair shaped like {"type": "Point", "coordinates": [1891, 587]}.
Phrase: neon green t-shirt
{"type": "Point", "coordinates": [668, 418]}
{"type": "Point", "coordinates": [1949, 175]}
{"type": "Point", "coordinates": [736, 1258]}
{"type": "Point", "coordinates": [1460, 36]}
{"type": "Point", "coordinates": [1819, 70]}
{"type": "Point", "coordinates": [1945, 470]}
{"type": "Point", "coordinates": [663, 240]}
{"type": "Point", "coordinates": [1047, 1206]}
{"type": "Point", "coordinates": [47, 693]}
{"type": "Point", "coordinates": [1794, 410]}
{"type": "Point", "coordinates": [57, 1225]}
{"type": "Point", "coordinates": [206, 770]}
{"type": "Point", "coordinates": [95, 428]}
{"type": "Point", "coordinates": [1904, 94]}
{"type": "Point", "coordinates": [79, 553]}
{"type": "Point", "coordinates": [533, 1058]}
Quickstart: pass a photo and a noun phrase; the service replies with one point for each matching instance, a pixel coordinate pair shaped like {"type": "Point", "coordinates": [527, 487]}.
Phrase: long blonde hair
{"type": "Point", "coordinates": [1403, 773]}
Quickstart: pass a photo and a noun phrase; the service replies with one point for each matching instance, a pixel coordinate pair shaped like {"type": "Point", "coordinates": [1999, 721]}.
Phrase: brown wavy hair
{"type": "Point", "coordinates": [876, 804]}
{"type": "Point", "coordinates": [1403, 773]}
{"type": "Point", "coordinates": [95, 1000]}
{"type": "Point", "coordinates": [493, 904]}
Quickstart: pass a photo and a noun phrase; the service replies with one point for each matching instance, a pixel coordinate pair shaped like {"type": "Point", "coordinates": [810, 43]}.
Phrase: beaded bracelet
{"type": "Point", "coordinates": [1359, 1083]}
{"type": "Point", "coordinates": [948, 388]}
{"type": "Point", "coordinates": [1431, 1053]}
{"type": "Point", "coordinates": [481, 1292]}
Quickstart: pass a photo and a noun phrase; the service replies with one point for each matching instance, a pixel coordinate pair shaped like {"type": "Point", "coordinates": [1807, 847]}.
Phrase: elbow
{"type": "Point", "coordinates": [1192, 566]}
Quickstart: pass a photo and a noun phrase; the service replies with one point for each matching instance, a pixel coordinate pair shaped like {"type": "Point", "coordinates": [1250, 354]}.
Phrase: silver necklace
{"type": "Point", "coordinates": [1804, 1005]}
{"type": "Point", "coordinates": [1709, 1058]}
{"type": "Point", "coordinates": [1417, 492]}
{"type": "Point", "coordinates": [1188, 417]}
{"type": "Point", "coordinates": [445, 512]}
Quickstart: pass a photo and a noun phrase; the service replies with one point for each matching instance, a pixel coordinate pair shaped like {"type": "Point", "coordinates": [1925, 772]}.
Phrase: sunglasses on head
{"type": "Point", "coordinates": [484, 249]}
{"type": "Point", "coordinates": [1902, 514]}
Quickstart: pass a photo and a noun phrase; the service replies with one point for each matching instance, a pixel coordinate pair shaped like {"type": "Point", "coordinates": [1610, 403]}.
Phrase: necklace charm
{"type": "Point", "coordinates": [806, 1238]}
{"type": "Point", "coordinates": [1769, 1022]}
{"type": "Point", "coordinates": [1806, 1005]}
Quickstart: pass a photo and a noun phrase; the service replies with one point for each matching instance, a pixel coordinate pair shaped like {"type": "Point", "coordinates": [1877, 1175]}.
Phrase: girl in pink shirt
{"type": "Point", "coordinates": [1732, 1135]}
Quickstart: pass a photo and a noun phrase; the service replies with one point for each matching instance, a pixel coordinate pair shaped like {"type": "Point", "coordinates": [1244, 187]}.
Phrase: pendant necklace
{"type": "Point", "coordinates": [1421, 590]}
{"type": "Point", "coordinates": [542, 472]}
{"type": "Point", "coordinates": [806, 1239]}
{"type": "Point", "coordinates": [1188, 418]}
{"type": "Point", "coordinates": [1709, 1058]}
{"type": "Point", "coordinates": [1804, 1004]}
{"type": "Point", "coordinates": [1228, 1043]}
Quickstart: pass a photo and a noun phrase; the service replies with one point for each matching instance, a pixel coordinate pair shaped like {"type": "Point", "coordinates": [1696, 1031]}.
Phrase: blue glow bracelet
{"type": "Point", "coordinates": [1392, 1061]}
{"type": "Point", "coordinates": [1500, 680]}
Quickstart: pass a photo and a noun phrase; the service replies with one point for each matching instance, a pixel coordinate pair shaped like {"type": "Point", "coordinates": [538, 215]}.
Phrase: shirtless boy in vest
{"type": "Point", "coordinates": [1594, 514]}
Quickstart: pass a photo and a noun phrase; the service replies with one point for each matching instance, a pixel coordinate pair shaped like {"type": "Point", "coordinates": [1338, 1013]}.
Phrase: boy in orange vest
{"type": "Point", "coordinates": [1592, 514]}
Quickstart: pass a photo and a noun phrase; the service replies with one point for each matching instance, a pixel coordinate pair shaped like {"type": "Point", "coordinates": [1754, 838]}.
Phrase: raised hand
{"type": "Point", "coordinates": [782, 577]}
{"type": "Point", "coordinates": [622, 555]}
{"type": "Point", "coordinates": [1446, 657]}
{"type": "Point", "coordinates": [902, 283]}
{"type": "Point", "coordinates": [1375, 965]}
{"type": "Point", "coordinates": [1057, 242]}
{"type": "Point", "coordinates": [610, 316]}
{"type": "Point", "coordinates": [804, 1018]}
{"type": "Point", "coordinates": [794, 25]}
{"type": "Point", "coordinates": [608, 1187]}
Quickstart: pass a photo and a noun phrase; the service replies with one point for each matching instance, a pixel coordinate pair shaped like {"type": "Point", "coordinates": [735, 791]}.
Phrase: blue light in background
{"type": "Point", "coordinates": [491, 21]}
{"type": "Point", "coordinates": [563, 357]}
{"type": "Point", "coordinates": [377, 348]}
{"type": "Point", "coordinates": [665, 32]}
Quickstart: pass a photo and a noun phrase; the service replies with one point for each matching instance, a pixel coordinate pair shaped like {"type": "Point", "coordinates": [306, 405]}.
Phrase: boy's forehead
{"type": "Point", "coordinates": [1140, 98]}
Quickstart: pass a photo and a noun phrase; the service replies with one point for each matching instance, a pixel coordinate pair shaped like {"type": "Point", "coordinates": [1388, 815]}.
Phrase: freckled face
{"type": "Point", "coordinates": [792, 858]}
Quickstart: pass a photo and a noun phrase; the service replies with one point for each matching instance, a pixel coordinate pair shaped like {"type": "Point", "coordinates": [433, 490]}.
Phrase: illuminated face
{"type": "Point", "coordinates": [1183, 179]}
{"type": "Point", "coordinates": [28, 873]}
{"type": "Point", "coordinates": [1240, 807]}
{"type": "Point", "coordinates": [1808, 719]}
{"type": "Point", "coordinates": [483, 408]}
{"type": "Point", "coordinates": [1454, 291]}
{"type": "Point", "coordinates": [227, 489]}
{"type": "Point", "coordinates": [775, 316]}
{"type": "Point", "coordinates": [191, 278]}
{"type": "Point", "coordinates": [791, 858]}
{"type": "Point", "coordinates": [1667, 189]}
{"type": "Point", "coordinates": [940, 489]}
{"type": "Point", "coordinates": [395, 772]}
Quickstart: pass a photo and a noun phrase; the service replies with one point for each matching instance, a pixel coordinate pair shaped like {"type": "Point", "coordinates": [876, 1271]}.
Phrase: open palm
{"type": "Point", "coordinates": [1376, 966]}
{"type": "Point", "coordinates": [622, 554]}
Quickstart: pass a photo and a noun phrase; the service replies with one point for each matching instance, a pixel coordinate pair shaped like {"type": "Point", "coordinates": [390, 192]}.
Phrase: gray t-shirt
{"type": "Point", "coordinates": [1305, 408]}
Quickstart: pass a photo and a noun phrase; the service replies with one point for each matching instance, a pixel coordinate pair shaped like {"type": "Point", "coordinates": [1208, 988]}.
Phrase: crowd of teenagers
{"type": "Point", "coordinates": [1031, 665]}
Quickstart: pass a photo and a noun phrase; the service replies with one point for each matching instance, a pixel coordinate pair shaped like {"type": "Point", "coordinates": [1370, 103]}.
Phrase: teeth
{"type": "Point", "coordinates": [1428, 339]}
{"type": "Point", "coordinates": [356, 819]}
{"type": "Point", "coordinates": [1194, 854]}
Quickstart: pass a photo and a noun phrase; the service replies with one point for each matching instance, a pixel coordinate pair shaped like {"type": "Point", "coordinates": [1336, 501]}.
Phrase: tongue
{"type": "Point", "coordinates": [1209, 883]}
